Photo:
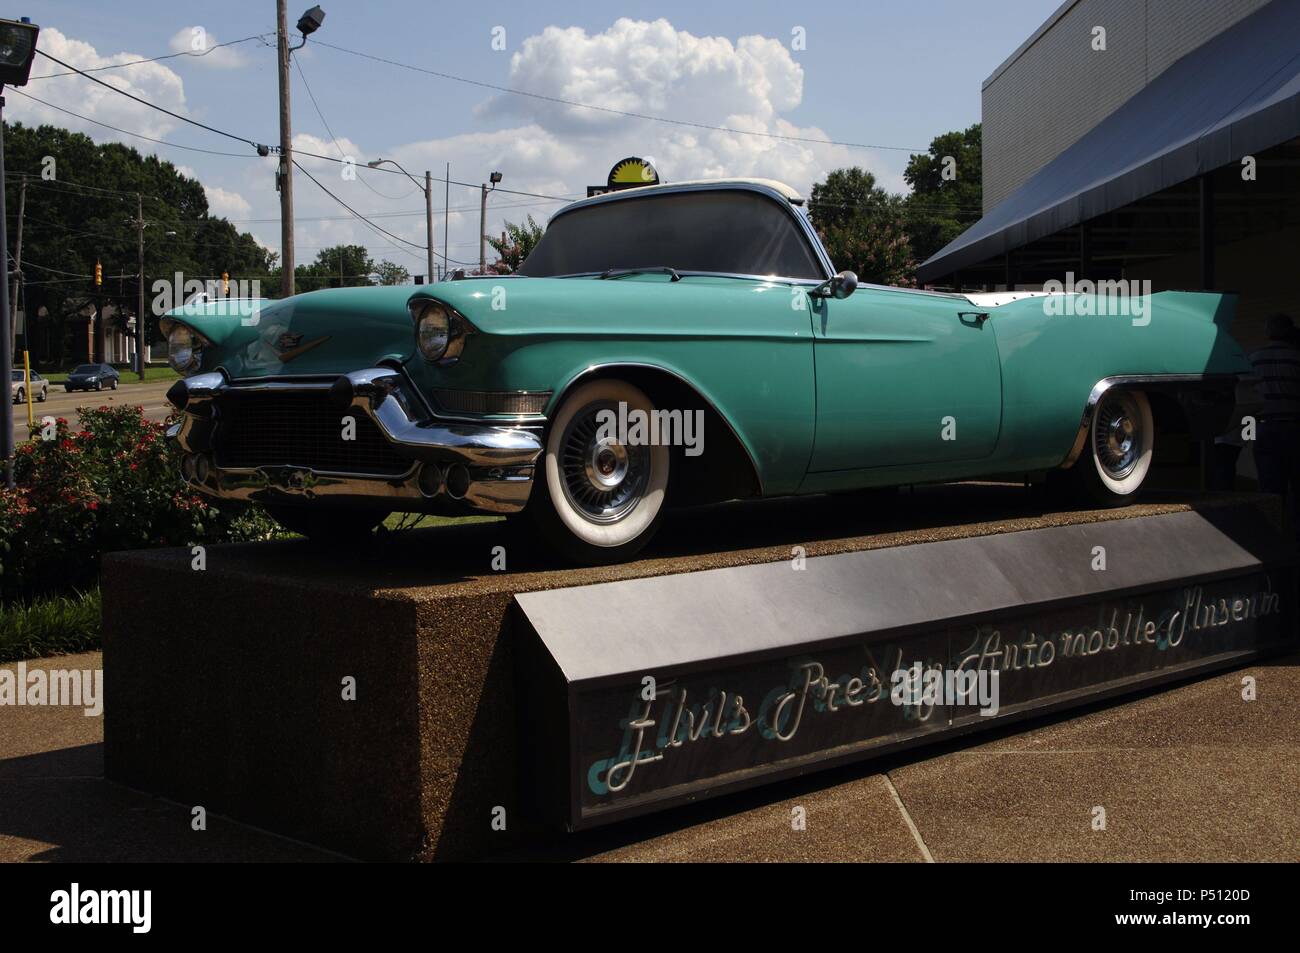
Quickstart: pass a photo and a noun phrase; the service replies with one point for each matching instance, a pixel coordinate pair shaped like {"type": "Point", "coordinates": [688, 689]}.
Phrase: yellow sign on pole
{"type": "Point", "coordinates": [27, 386]}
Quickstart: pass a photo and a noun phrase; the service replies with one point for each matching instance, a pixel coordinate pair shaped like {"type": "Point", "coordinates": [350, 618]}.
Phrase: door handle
{"type": "Point", "coordinates": [974, 318]}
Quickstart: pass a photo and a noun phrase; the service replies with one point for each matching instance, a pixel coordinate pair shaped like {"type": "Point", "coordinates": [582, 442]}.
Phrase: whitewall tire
{"type": "Point", "coordinates": [597, 499]}
{"type": "Point", "coordinates": [1121, 439]}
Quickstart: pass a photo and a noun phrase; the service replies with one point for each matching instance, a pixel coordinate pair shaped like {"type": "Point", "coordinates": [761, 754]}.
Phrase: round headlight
{"type": "Point", "coordinates": [184, 350]}
{"type": "Point", "coordinates": [433, 331]}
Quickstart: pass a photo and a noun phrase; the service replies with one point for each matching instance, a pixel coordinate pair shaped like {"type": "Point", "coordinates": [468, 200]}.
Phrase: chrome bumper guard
{"type": "Point", "coordinates": [455, 466]}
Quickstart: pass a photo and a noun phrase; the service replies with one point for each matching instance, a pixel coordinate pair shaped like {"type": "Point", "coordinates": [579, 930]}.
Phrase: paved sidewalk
{"type": "Point", "coordinates": [1191, 773]}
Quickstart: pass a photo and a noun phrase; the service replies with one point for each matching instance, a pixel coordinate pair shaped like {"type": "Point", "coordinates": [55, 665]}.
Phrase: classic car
{"type": "Point", "coordinates": [92, 377]}
{"type": "Point", "coordinates": [711, 301]}
{"type": "Point", "coordinates": [20, 384]}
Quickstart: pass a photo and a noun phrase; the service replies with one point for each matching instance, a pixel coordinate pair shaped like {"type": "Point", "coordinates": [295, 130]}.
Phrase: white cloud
{"type": "Point", "coordinates": [751, 83]}
{"type": "Point", "coordinates": [154, 82]}
{"type": "Point", "coordinates": [226, 204]}
{"type": "Point", "coordinates": [652, 69]}
{"type": "Point", "coordinates": [204, 48]}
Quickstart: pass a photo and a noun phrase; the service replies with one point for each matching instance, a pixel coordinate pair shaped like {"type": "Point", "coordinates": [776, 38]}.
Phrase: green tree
{"type": "Point", "coordinates": [863, 227]}
{"type": "Point", "coordinates": [392, 274]}
{"type": "Point", "coordinates": [340, 266]}
{"type": "Point", "coordinates": [947, 190]}
{"type": "Point", "coordinates": [516, 245]}
{"type": "Point", "coordinates": [85, 213]}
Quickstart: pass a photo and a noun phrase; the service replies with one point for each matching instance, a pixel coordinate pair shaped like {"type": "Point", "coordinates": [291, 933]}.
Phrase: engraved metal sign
{"type": "Point", "coordinates": [761, 701]}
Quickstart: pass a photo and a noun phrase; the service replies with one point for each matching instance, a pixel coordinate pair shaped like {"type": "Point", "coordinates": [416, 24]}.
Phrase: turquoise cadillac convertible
{"type": "Point", "coordinates": [709, 308]}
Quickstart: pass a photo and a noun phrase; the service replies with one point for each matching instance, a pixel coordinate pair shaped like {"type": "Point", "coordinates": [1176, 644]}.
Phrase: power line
{"type": "Point", "coordinates": [616, 112]}
{"type": "Point", "coordinates": [379, 228]}
{"type": "Point", "coordinates": [128, 132]}
{"type": "Point", "coordinates": [154, 59]}
{"type": "Point", "coordinates": [334, 138]}
{"type": "Point", "coordinates": [261, 149]}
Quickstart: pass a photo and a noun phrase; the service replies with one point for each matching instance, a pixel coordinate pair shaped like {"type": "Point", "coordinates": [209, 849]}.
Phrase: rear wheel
{"type": "Point", "coordinates": [20, 396]}
{"type": "Point", "coordinates": [599, 500]}
{"type": "Point", "coordinates": [327, 524]}
{"type": "Point", "coordinates": [1121, 437]}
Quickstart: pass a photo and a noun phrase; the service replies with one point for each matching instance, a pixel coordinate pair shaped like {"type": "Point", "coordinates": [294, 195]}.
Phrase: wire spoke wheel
{"type": "Point", "coordinates": [602, 494]}
{"type": "Point", "coordinates": [1117, 440]}
{"type": "Point", "coordinates": [603, 478]}
{"type": "Point", "coordinates": [1118, 451]}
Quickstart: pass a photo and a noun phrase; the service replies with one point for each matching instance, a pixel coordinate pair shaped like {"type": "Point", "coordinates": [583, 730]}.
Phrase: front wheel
{"type": "Point", "coordinates": [327, 524]}
{"type": "Point", "coordinates": [1115, 462]}
{"type": "Point", "coordinates": [40, 398]}
{"type": "Point", "coordinates": [599, 497]}
{"type": "Point", "coordinates": [112, 385]}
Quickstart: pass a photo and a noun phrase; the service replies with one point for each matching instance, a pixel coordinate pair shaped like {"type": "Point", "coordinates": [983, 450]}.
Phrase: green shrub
{"type": "Point", "coordinates": [115, 484]}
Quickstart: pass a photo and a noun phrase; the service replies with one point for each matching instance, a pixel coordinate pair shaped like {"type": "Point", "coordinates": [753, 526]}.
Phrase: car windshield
{"type": "Point", "coordinates": [729, 231]}
{"type": "Point", "coordinates": [86, 369]}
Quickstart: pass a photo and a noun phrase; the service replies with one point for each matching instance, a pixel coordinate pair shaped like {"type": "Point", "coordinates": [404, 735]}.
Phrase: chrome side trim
{"type": "Point", "coordinates": [1106, 383]}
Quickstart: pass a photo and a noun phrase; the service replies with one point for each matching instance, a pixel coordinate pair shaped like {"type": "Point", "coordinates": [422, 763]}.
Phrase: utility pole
{"type": "Point", "coordinates": [18, 271]}
{"type": "Point", "coordinates": [286, 153]}
{"type": "Point", "coordinates": [482, 233]}
{"type": "Point", "coordinates": [446, 217]}
{"type": "Point", "coordinates": [428, 220]}
{"type": "Point", "coordinates": [6, 355]}
{"type": "Point", "coordinates": [494, 178]}
{"type": "Point", "coordinates": [139, 311]}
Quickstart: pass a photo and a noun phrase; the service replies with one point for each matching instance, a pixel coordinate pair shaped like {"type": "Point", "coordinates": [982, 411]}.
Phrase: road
{"type": "Point", "coordinates": [149, 395]}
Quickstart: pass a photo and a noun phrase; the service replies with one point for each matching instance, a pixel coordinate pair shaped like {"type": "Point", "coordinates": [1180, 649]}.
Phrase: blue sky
{"type": "Point", "coordinates": [879, 73]}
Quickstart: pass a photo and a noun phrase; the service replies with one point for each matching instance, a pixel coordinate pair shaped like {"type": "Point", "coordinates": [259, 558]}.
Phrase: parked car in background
{"type": "Point", "coordinates": [541, 393]}
{"type": "Point", "coordinates": [92, 377]}
{"type": "Point", "coordinates": [19, 388]}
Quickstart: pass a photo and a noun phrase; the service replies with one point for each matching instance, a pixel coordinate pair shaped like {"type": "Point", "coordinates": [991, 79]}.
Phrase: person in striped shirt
{"type": "Point", "coordinates": [1277, 439]}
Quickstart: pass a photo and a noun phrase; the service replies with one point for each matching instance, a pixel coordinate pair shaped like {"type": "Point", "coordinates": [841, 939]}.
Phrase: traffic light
{"type": "Point", "coordinates": [225, 284]}
{"type": "Point", "coordinates": [99, 274]}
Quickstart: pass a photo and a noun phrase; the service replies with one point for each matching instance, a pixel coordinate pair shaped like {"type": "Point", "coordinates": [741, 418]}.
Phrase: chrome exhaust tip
{"type": "Point", "coordinates": [431, 480]}
{"type": "Point", "coordinates": [458, 481]}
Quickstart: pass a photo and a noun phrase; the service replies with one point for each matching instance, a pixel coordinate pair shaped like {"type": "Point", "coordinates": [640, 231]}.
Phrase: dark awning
{"type": "Point", "coordinates": [1234, 96]}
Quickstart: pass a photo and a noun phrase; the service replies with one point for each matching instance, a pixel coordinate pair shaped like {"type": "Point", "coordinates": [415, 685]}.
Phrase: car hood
{"type": "Point", "coordinates": [322, 332]}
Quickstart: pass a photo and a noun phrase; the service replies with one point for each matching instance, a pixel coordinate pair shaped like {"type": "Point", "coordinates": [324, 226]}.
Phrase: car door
{"type": "Point", "coordinates": [903, 378]}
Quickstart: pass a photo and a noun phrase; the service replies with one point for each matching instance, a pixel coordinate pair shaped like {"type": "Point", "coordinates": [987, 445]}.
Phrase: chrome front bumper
{"type": "Point", "coordinates": [454, 465]}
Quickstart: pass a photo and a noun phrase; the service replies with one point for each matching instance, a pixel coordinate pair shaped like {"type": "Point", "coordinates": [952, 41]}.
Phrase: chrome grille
{"type": "Point", "coordinates": [299, 429]}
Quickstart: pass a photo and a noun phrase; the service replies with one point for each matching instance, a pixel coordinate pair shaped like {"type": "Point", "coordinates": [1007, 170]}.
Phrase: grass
{"type": "Point", "coordinates": [51, 625]}
{"type": "Point", "coordinates": [151, 373]}
{"type": "Point", "coordinates": [422, 521]}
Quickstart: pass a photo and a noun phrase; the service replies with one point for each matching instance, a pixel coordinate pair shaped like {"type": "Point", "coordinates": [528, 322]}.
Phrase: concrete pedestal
{"type": "Point", "coordinates": [229, 687]}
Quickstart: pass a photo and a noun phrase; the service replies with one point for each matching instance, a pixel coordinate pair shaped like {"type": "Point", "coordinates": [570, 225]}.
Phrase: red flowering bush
{"type": "Point", "coordinates": [115, 484]}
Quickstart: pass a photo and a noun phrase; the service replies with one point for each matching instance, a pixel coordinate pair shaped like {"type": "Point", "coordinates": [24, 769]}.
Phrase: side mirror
{"type": "Point", "coordinates": [841, 286]}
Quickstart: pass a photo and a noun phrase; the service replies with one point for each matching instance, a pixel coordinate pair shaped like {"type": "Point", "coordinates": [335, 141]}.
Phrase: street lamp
{"type": "Point", "coordinates": [17, 50]}
{"type": "Point", "coordinates": [427, 189]}
{"type": "Point", "coordinates": [494, 178]}
{"type": "Point", "coordinates": [310, 22]}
